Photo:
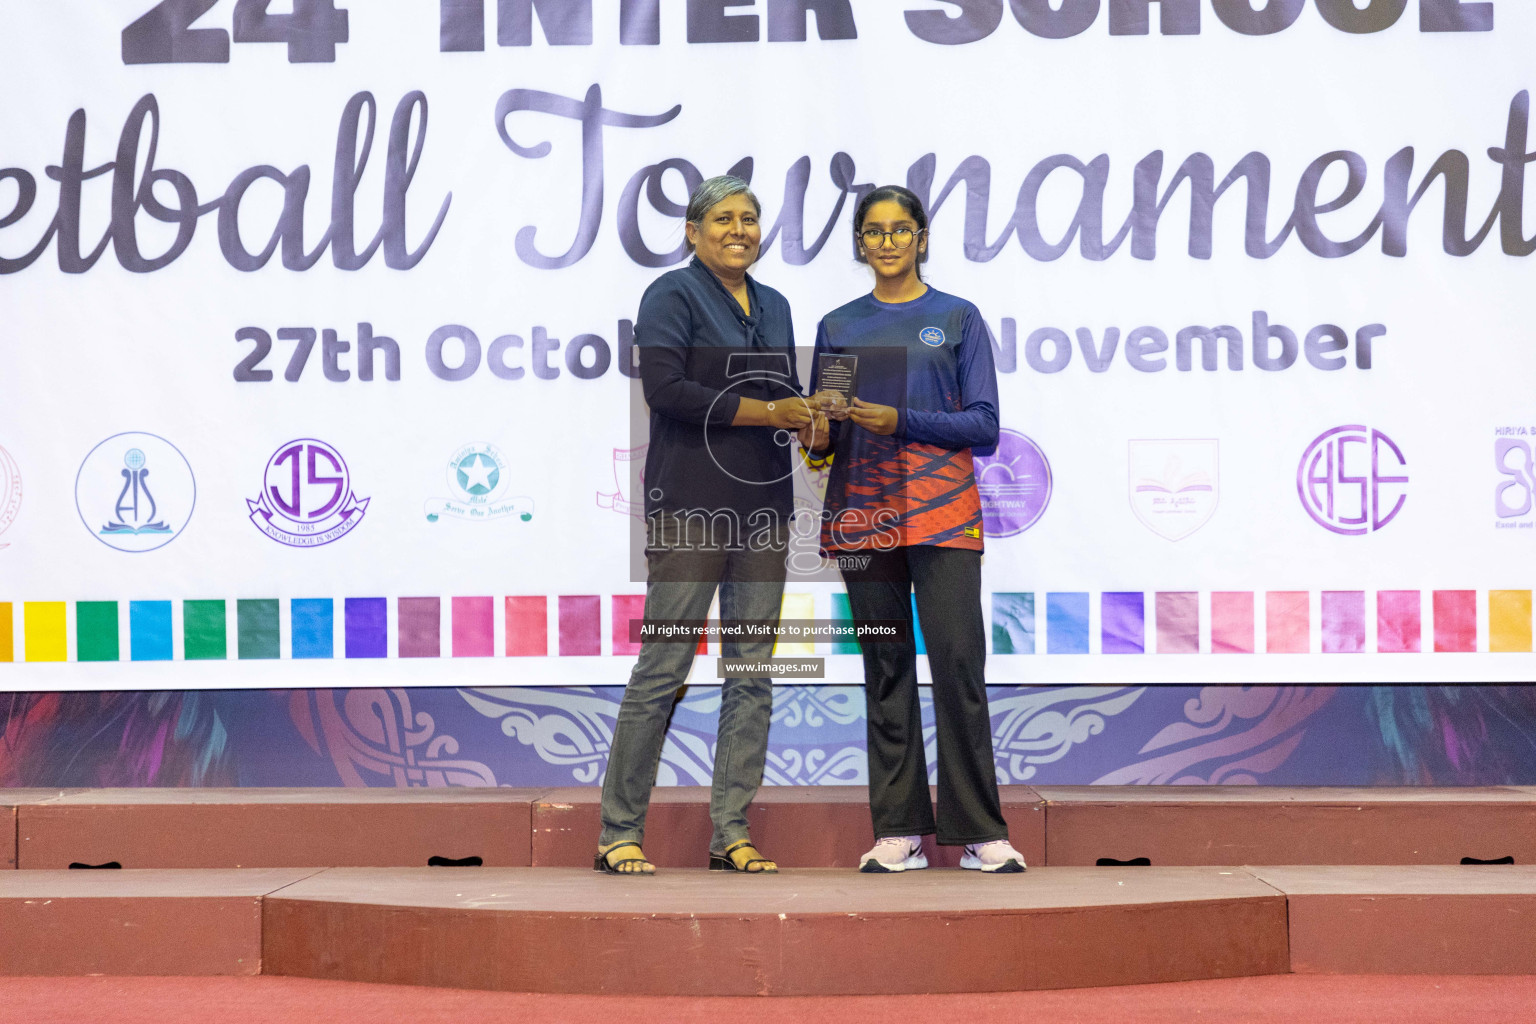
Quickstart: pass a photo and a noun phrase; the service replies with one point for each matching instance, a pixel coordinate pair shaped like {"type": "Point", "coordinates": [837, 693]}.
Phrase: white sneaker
{"type": "Point", "coordinates": [998, 855]}
{"type": "Point", "coordinates": [894, 853]}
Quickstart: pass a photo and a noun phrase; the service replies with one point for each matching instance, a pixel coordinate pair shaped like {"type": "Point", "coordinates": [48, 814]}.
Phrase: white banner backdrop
{"type": "Point", "coordinates": [1259, 283]}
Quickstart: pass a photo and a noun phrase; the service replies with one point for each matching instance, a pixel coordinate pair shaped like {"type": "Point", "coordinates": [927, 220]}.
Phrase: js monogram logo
{"type": "Point", "coordinates": [306, 498]}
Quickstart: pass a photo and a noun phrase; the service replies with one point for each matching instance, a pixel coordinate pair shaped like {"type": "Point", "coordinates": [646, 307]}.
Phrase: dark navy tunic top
{"type": "Point", "coordinates": [700, 354]}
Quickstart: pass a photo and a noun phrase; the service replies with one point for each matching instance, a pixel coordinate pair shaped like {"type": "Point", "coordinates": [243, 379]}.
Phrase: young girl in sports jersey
{"type": "Point", "coordinates": [905, 518]}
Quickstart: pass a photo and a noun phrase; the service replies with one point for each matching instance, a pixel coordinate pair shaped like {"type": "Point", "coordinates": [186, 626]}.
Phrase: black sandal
{"type": "Point", "coordinates": [603, 864]}
{"type": "Point", "coordinates": [723, 861]}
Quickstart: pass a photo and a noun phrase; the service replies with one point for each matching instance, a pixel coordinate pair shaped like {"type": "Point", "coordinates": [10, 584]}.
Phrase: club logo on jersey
{"type": "Point", "coordinates": [931, 336]}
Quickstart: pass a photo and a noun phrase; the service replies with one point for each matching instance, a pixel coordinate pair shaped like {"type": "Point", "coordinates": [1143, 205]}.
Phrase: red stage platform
{"type": "Point", "coordinates": [1264, 825]}
{"type": "Point", "coordinates": [218, 828]}
{"type": "Point", "coordinates": [812, 826]}
{"type": "Point", "coordinates": [316, 907]}
{"type": "Point", "coordinates": [799, 826]}
{"type": "Point", "coordinates": [10, 800]}
{"type": "Point", "coordinates": [815, 931]}
{"type": "Point", "coordinates": [135, 922]}
{"type": "Point", "coordinates": [1409, 920]}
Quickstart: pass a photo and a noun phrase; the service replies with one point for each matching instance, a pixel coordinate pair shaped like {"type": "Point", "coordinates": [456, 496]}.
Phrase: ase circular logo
{"type": "Point", "coordinates": [1352, 480]}
{"type": "Point", "coordinates": [933, 337]}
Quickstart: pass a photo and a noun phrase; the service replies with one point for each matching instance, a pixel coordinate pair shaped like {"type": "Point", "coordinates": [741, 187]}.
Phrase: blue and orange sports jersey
{"type": "Point", "coordinates": [931, 359]}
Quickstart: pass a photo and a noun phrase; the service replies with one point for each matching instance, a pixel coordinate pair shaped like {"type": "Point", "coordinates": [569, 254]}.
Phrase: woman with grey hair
{"type": "Point", "coordinates": [717, 363]}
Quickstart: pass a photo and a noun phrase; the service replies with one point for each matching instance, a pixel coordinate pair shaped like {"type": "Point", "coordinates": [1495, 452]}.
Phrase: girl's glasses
{"type": "Point", "coordinates": [900, 238]}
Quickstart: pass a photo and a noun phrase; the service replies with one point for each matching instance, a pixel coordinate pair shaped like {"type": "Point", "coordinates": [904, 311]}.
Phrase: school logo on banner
{"type": "Point", "coordinates": [624, 470]}
{"type": "Point", "coordinates": [1014, 484]}
{"type": "Point", "coordinates": [1174, 485]}
{"type": "Point", "coordinates": [306, 497]}
{"type": "Point", "coordinates": [478, 477]}
{"type": "Point", "coordinates": [1514, 495]}
{"type": "Point", "coordinates": [135, 492]}
{"type": "Point", "coordinates": [10, 492]}
{"type": "Point", "coordinates": [1353, 480]}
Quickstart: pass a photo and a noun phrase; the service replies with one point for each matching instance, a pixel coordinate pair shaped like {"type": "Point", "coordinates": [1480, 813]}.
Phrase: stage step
{"type": "Point", "coordinates": [798, 826]}
{"type": "Point", "coordinates": [10, 799]}
{"type": "Point", "coordinates": [807, 932]}
{"type": "Point", "coordinates": [229, 828]}
{"type": "Point", "coordinates": [810, 826]}
{"type": "Point", "coordinates": [1414, 919]}
{"type": "Point", "coordinates": [1171, 825]}
{"type": "Point", "coordinates": [162, 922]}
{"type": "Point", "coordinates": [811, 932]}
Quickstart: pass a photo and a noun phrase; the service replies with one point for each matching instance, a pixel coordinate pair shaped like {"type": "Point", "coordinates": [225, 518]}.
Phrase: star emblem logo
{"type": "Point", "coordinates": [478, 475]}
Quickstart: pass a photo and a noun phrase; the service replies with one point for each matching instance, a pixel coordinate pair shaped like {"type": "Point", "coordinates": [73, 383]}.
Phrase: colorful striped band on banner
{"type": "Point", "coordinates": [413, 627]}
{"type": "Point", "coordinates": [1509, 621]}
{"type": "Point", "coordinates": [1013, 623]}
{"type": "Point", "coordinates": [420, 630]}
{"type": "Point", "coordinates": [918, 639]}
{"type": "Point", "coordinates": [796, 606]}
{"type": "Point", "coordinates": [842, 613]}
{"type": "Point", "coordinates": [474, 627]}
{"type": "Point", "coordinates": [1287, 622]}
{"type": "Point", "coordinates": [1178, 622]}
{"type": "Point", "coordinates": [204, 630]}
{"type": "Point", "coordinates": [312, 626]}
{"type": "Point", "coordinates": [96, 635]}
{"type": "Point", "coordinates": [1232, 622]}
{"type": "Point", "coordinates": [149, 631]}
{"type": "Point", "coordinates": [366, 627]}
{"type": "Point", "coordinates": [581, 625]}
{"type": "Point", "coordinates": [1343, 621]}
{"type": "Point", "coordinates": [1455, 615]}
{"type": "Point", "coordinates": [1066, 623]}
{"type": "Point", "coordinates": [43, 626]}
{"type": "Point", "coordinates": [258, 628]}
{"type": "Point", "coordinates": [527, 627]}
{"type": "Point", "coordinates": [1123, 622]}
{"type": "Point", "coordinates": [1399, 622]}
{"type": "Point", "coordinates": [626, 608]}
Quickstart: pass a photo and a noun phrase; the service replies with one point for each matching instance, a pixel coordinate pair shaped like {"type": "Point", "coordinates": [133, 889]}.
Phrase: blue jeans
{"type": "Point", "coordinates": [681, 584]}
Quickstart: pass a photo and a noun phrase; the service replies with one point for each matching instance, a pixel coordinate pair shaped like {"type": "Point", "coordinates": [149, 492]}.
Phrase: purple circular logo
{"type": "Point", "coordinates": [1014, 484]}
{"type": "Point", "coordinates": [1352, 480]}
{"type": "Point", "coordinates": [306, 496]}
